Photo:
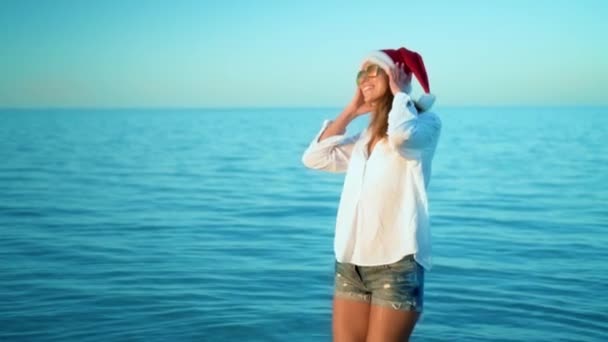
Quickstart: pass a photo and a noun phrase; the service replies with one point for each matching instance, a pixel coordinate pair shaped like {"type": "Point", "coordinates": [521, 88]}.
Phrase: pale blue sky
{"type": "Point", "coordinates": [296, 53]}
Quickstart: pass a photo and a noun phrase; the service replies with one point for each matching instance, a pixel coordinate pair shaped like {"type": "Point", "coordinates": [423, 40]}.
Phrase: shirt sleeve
{"type": "Point", "coordinates": [332, 154]}
{"type": "Point", "coordinates": [407, 129]}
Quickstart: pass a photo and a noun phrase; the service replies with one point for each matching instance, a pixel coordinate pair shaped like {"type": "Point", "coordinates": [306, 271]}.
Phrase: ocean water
{"type": "Point", "coordinates": [203, 225]}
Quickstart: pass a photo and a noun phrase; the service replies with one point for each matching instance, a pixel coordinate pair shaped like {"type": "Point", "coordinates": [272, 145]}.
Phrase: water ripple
{"type": "Point", "coordinates": [166, 225]}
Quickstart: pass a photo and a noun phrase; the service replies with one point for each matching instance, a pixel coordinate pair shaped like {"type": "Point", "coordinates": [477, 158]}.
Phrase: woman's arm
{"type": "Point", "coordinates": [330, 150]}
{"type": "Point", "coordinates": [408, 129]}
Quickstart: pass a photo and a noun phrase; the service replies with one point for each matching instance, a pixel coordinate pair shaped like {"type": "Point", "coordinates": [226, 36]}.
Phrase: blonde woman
{"type": "Point", "coordinates": [382, 240]}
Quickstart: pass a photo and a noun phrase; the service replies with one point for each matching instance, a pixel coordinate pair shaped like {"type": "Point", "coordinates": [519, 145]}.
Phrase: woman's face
{"type": "Point", "coordinates": [373, 87]}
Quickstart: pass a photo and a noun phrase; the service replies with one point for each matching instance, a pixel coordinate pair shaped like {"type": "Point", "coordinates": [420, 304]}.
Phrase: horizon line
{"type": "Point", "coordinates": [174, 107]}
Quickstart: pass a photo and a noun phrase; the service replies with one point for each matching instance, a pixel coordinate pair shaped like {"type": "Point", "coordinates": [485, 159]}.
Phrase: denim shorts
{"type": "Point", "coordinates": [399, 285]}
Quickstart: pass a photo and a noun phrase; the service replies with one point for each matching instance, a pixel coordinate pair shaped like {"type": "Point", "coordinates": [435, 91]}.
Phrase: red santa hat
{"type": "Point", "coordinates": [412, 63]}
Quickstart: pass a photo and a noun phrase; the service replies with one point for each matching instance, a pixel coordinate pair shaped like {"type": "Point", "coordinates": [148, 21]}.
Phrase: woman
{"type": "Point", "coordinates": [382, 240]}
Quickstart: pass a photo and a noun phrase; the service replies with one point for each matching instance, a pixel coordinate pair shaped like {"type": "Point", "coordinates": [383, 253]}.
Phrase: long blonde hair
{"type": "Point", "coordinates": [379, 116]}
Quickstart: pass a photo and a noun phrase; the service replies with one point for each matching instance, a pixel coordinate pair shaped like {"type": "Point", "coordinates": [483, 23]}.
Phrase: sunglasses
{"type": "Point", "coordinates": [372, 70]}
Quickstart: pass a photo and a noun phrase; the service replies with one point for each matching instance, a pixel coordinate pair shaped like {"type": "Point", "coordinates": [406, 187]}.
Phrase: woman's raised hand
{"type": "Point", "coordinates": [398, 79]}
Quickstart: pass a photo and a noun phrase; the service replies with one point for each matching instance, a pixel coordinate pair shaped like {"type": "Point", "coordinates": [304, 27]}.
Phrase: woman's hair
{"type": "Point", "coordinates": [379, 120]}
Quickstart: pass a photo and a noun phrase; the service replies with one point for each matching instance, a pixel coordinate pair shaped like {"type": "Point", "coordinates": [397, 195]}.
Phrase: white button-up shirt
{"type": "Point", "coordinates": [383, 212]}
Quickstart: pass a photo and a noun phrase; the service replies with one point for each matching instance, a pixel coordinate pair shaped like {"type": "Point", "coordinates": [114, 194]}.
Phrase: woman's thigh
{"type": "Point", "coordinates": [350, 320]}
{"type": "Point", "coordinates": [397, 299]}
{"type": "Point", "coordinates": [390, 325]}
{"type": "Point", "coordinates": [351, 305]}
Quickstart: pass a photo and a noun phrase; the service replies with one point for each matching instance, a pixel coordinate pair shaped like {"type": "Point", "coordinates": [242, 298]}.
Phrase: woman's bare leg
{"type": "Point", "coordinates": [350, 320]}
{"type": "Point", "coordinates": [390, 325]}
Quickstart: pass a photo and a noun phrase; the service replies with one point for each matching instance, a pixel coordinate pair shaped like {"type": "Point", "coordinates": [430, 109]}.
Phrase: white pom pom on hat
{"type": "Point", "coordinates": [413, 64]}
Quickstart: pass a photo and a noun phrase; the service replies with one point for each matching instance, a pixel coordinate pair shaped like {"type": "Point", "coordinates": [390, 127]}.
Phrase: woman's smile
{"type": "Point", "coordinates": [367, 88]}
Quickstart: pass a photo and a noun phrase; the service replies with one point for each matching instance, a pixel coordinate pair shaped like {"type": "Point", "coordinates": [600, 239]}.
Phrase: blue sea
{"type": "Point", "coordinates": [203, 225]}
